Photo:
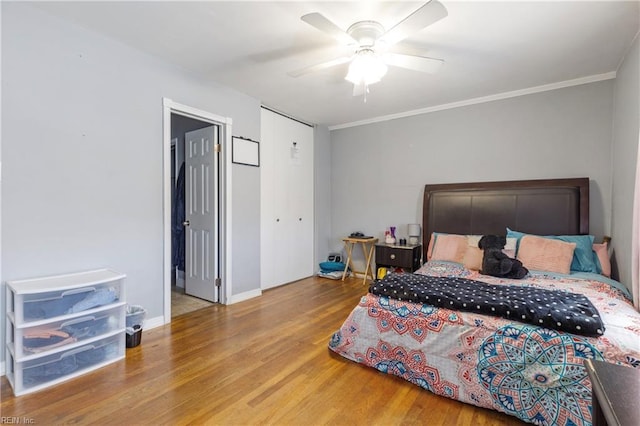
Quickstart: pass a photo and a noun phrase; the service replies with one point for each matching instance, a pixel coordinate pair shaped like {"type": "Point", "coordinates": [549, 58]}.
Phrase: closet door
{"type": "Point", "coordinates": [286, 200]}
{"type": "Point", "coordinates": [300, 195]}
{"type": "Point", "coordinates": [284, 239]}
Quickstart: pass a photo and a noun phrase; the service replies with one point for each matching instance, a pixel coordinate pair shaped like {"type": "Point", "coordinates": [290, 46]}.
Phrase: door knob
{"type": "Point", "coordinates": [186, 223]}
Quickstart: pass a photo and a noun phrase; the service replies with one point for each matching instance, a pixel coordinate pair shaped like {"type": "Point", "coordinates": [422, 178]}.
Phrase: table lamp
{"type": "Point", "coordinates": [414, 233]}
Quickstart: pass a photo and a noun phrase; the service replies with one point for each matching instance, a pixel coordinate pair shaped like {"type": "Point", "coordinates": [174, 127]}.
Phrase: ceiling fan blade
{"type": "Point", "coordinates": [319, 67]}
{"type": "Point", "coordinates": [321, 23]}
{"type": "Point", "coordinates": [426, 15]}
{"type": "Point", "coordinates": [416, 63]}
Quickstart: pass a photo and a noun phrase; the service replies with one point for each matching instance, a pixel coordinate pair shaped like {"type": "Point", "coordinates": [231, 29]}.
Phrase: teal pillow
{"type": "Point", "coordinates": [332, 266]}
{"type": "Point", "coordinates": [583, 256]}
{"type": "Point", "coordinates": [517, 235]}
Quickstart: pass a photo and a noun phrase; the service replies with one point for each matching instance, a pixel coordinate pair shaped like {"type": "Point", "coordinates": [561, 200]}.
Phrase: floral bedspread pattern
{"type": "Point", "coordinates": [530, 372]}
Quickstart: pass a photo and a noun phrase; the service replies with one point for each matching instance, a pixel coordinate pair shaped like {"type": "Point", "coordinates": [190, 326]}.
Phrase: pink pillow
{"type": "Point", "coordinates": [472, 258]}
{"type": "Point", "coordinates": [602, 251]}
{"type": "Point", "coordinates": [449, 247]}
{"type": "Point", "coordinates": [545, 254]}
{"type": "Point", "coordinates": [432, 241]}
{"type": "Point", "coordinates": [462, 249]}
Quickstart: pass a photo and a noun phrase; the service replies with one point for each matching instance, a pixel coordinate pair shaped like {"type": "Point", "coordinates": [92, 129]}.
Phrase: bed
{"type": "Point", "coordinates": [528, 370]}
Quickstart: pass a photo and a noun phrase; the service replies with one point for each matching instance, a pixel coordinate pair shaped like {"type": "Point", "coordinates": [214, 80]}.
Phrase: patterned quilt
{"type": "Point", "coordinates": [530, 372]}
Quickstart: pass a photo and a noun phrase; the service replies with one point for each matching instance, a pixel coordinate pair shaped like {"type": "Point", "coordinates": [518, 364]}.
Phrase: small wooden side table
{"type": "Point", "coordinates": [615, 390]}
{"type": "Point", "coordinates": [368, 247]}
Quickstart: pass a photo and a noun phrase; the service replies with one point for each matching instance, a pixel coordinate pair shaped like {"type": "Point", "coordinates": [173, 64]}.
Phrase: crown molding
{"type": "Point", "coordinates": [480, 100]}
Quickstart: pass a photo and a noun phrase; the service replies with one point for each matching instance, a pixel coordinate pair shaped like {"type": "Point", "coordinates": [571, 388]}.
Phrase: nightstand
{"type": "Point", "coordinates": [395, 256]}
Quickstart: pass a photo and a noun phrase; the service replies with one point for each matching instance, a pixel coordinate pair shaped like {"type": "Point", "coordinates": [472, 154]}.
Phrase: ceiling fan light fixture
{"type": "Point", "coordinates": [366, 68]}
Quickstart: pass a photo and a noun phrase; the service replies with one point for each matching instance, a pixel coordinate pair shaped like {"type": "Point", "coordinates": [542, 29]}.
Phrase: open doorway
{"type": "Point", "coordinates": [194, 174]}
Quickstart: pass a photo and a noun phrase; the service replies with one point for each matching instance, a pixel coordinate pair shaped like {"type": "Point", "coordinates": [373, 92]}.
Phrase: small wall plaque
{"type": "Point", "coordinates": [245, 151]}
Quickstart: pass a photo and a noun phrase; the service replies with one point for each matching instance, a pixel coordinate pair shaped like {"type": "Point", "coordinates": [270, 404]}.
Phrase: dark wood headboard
{"type": "Point", "coordinates": [543, 207]}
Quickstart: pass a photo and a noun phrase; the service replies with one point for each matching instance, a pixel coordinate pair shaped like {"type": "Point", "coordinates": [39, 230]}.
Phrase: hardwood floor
{"type": "Point", "coordinates": [262, 361]}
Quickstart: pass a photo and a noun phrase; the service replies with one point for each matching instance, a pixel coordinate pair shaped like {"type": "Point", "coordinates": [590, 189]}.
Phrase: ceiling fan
{"type": "Point", "coordinates": [369, 62]}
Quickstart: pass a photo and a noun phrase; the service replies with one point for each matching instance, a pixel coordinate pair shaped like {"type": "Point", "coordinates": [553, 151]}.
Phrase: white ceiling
{"type": "Point", "coordinates": [488, 47]}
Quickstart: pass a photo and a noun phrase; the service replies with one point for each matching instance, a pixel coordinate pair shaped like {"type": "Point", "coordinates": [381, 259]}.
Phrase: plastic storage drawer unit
{"type": "Point", "coordinates": [59, 327]}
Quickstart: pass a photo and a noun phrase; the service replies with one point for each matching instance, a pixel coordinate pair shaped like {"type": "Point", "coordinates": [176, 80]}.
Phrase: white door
{"type": "Point", "coordinates": [300, 201]}
{"type": "Point", "coordinates": [202, 221]}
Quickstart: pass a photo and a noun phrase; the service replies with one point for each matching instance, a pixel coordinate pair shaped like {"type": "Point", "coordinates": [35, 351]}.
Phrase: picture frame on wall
{"type": "Point", "coordinates": [245, 151]}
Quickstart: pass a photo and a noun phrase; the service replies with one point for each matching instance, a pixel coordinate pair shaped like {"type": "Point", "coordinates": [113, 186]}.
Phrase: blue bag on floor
{"type": "Point", "coordinates": [332, 266]}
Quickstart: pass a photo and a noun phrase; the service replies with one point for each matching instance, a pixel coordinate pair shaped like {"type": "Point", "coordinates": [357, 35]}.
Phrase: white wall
{"type": "Point", "coordinates": [245, 232]}
{"type": "Point", "coordinates": [379, 170]}
{"type": "Point", "coordinates": [625, 152]}
{"type": "Point", "coordinates": [82, 151]}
